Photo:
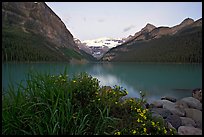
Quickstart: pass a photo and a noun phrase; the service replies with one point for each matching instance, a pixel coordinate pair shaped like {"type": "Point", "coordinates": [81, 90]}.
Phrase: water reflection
{"type": "Point", "coordinates": [155, 80]}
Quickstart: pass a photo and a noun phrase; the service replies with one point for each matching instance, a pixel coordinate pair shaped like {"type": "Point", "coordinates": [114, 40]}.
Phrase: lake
{"type": "Point", "coordinates": [156, 80]}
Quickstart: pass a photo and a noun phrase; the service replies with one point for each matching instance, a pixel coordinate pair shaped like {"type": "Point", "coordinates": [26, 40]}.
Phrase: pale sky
{"type": "Point", "coordinates": [91, 20]}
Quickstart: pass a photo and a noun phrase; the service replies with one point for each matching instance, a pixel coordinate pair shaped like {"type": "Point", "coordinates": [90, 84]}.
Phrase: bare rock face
{"type": "Point", "coordinates": [148, 28]}
{"type": "Point", "coordinates": [37, 17]}
{"type": "Point", "coordinates": [184, 23]}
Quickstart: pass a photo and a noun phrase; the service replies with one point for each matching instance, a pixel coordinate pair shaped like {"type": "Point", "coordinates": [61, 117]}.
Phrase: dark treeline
{"type": "Point", "coordinates": [185, 47]}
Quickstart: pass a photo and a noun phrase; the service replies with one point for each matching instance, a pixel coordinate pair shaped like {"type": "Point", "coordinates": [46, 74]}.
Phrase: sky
{"type": "Point", "coordinates": [92, 20]}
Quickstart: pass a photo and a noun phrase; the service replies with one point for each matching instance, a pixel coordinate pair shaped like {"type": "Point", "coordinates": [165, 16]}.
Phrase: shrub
{"type": "Point", "coordinates": [58, 104]}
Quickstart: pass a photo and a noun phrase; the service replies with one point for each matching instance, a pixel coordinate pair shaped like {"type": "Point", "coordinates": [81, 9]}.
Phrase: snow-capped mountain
{"type": "Point", "coordinates": [104, 41]}
{"type": "Point", "coordinates": [98, 47]}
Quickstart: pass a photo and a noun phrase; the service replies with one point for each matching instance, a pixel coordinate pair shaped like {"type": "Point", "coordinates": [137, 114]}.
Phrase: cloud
{"type": "Point", "coordinates": [101, 20]}
{"type": "Point", "coordinates": [84, 19]}
{"type": "Point", "coordinates": [128, 28]}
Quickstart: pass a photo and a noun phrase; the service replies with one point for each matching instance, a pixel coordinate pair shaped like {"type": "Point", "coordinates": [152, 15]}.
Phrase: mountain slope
{"type": "Point", "coordinates": [164, 46]}
{"type": "Point", "coordinates": [31, 31]}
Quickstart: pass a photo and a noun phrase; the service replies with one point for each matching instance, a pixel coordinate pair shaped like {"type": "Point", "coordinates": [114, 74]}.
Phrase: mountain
{"type": "Point", "coordinates": [31, 31]}
{"type": "Point", "coordinates": [98, 47]}
{"type": "Point", "coordinates": [180, 43]}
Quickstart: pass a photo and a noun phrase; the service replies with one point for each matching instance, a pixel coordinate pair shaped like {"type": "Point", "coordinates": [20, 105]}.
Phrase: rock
{"type": "Point", "coordinates": [181, 104]}
{"type": "Point", "coordinates": [157, 118]}
{"type": "Point", "coordinates": [168, 98]}
{"type": "Point", "coordinates": [192, 102]}
{"type": "Point", "coordinates": [197, 93]}
{"type": "Point", "coordinates": [162, 111]}
{"type": "Point", "coordinates": [186, 121]}
{"type": "Point", "coordinates": [187, 130]}
{"type": "Point", "coordinates": [169, 125]}
{"type": "Point", "coordinates": [196, 115]}
{"type": "Point", "coordinates": [173, 108]}
{"type": "Point", "coordinates": [157, 104]}
{"type": "Point", "coordinates": [174, 120]}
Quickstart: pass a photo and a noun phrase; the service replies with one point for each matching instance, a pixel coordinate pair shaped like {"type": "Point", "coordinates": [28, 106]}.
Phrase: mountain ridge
{"type": "Point", "coordinates": [36, 20]}
{"type": "Point", "coordinates": [136, 48]}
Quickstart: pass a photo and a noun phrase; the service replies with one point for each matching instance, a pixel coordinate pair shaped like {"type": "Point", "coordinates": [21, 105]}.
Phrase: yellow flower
{"type": "Point", "coordinates": [74, 81]}
{"type": "Point", "coordinates": [138, 120]}
{"type": "Point", "coordinates": [153, 123]}
{"type": "Point", "coordinates": [145, 130]}
{"type": "Point", "coordinates": [134, 132]}
{"type": "Point", "coordinates": [145, 117]}
{"type": "Point", "coordinates": [117, 133]}
{"type": "Point", "coordinates": [138, 110]}
{"type": "Point", "coordinates": [144, 111]}
{"type": "Point", "coordinates": [165, 131]}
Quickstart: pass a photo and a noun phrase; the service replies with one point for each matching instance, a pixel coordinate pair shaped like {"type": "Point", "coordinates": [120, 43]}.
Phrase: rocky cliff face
{"type": "Point", "coordinates": [151, 32]}
{"type": "Point", "coordinates": [37, 17]}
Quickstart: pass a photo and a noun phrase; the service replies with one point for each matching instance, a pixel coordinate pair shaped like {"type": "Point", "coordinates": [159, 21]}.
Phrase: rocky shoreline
{"type": "Point", "coordinates": [184, 115]}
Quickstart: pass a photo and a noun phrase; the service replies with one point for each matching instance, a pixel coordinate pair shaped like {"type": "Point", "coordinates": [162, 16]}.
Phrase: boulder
{"type": "Point", "coordinates": [187, 130]}
{"type": "Point", "coordinates": [174, 120]}
{"type": "Point", "coordinates": [173, 108]}
{"type": "Point", "coordinates": [181, 104]}
{"type": "Point", "coordinates": [186, 121]}
{"type": "Point", "coordinates": [157, 118]}
{"type": "Point", "coordinates": [172, 99]}
{"type": "Point", "coordinates": [192, 103]}
{"type": "Point", "coordinates": [162, 111]}
{"type": "Point", "coordinates": [157, 104]}
{"type": "Point", "coordinates": [169, 125]}
{"type": "Point", "coordinates": [196, 115]}
{"type": "Point", "coordinates": [197, 93]}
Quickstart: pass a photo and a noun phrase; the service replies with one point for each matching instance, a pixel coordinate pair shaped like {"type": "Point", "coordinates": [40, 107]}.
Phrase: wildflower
{"type": "Point", "coordinates": [134, 132]}
{"type": "Point", "coordinates": [117, 133]}
{"type": "Point", "coordinates": [145, 129]}
{"type": "Point", "coordinates": [143, 124]}
{"type": "Point", "coordinates": [145, 117]}
{"type": "Point", "coordinates": [165, 131]}
{"type": "Point", "coordinates": [74, 81]}
{"type": "Point", "coordinates": [153, 123]}
{"type": "Point", "coordinates": [116, 102]}
{"type": "Point", "coordinates": [138, 120]}
{"type": "Point", "coordinates": [144, 111]}
{"type": "Point", "coordinates": [99, 99]}
{"type": "Point", "coordinates": [138, 110]}
{"type": "Point", "coordinates": [60, 76]}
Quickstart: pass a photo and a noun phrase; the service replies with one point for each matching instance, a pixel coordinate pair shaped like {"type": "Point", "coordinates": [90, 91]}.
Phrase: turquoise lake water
{"type": "Point", "coordinates": [156, 80]}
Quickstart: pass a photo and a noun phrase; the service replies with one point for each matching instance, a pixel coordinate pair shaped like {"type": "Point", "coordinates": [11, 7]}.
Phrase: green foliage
{"type": "Point", "coordinates": [18, 45]}
{"type": "Point", "coordinates": [59, 104]}
{"type": "Point", "coordinates": [71, 53]}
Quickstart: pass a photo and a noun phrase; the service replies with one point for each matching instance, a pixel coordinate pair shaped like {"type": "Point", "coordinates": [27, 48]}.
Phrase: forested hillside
{"type": "Point", "coordinates": [185, 46]}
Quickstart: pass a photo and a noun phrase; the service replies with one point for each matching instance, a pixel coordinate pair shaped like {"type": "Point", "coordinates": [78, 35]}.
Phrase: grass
{"type": "Point", "coordinates": [61, 105]}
